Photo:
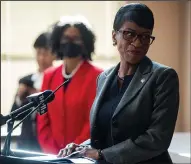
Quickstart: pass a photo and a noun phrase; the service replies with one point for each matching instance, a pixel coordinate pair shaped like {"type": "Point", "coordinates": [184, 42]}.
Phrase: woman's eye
{"type": "Point", "coordinates": [145, 37]}
{"type": "Point", "coordinates": [129, 33]}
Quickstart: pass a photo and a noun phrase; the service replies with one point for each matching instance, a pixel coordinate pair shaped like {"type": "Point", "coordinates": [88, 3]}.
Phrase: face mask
{"type": "Point", "coordinates": [70, 49]}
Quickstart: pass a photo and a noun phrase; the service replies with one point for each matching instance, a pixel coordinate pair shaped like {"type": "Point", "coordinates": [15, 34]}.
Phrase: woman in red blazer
{"type": "Point", "coordinates": [67, 119]}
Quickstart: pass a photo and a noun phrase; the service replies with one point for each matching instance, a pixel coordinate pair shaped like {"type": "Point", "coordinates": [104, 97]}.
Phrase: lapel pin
{"type": "Point", "coordinates": [142, 80]}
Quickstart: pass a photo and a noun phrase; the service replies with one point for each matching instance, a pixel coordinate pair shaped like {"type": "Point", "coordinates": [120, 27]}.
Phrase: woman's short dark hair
{"type": "Point", "coordinates": [134, 12]}
{"type": "Point", "coordinates": [42, 41]}
{"type": "Point", "coordinates": [87, 35]}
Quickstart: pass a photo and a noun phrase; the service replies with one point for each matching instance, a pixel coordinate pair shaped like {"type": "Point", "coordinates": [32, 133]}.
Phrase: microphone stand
{"type": "Point", "coordinates": [6, 149]}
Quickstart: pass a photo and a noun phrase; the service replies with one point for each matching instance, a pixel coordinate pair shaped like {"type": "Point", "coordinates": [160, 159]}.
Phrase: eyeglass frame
{"type": "Point", "coordinates": [136, 36]}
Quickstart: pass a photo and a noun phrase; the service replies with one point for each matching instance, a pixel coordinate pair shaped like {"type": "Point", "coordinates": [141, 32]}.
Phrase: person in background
{"type": "Point", "coordinates": [67, 119]}
{"type": "Point", "coordinates": [31, 84]}
{"type": "Point", "coordinates": [135, 110]}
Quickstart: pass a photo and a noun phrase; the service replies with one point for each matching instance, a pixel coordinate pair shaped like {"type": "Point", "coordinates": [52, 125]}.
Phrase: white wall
{"type": "Point", "coordinates": [23, 21]}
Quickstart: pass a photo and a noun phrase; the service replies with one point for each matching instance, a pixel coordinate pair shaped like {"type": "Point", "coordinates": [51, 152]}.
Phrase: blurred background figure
{"type": "Point", "coordinates": [67, 119]}
{"type": "Point", "coordinates": [29, 85]}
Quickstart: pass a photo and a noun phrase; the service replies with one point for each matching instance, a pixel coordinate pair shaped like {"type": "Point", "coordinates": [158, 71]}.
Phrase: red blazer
{"type": "Point", "coordinates": [67, 119]}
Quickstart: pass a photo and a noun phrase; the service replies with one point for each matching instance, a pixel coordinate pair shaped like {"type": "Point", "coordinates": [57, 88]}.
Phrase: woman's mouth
{"type": "Point", "coordinates": [134, 52]}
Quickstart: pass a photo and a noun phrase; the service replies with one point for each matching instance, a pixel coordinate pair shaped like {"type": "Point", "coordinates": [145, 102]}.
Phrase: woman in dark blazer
{"type": "Point", "coordinates": [135, 110]}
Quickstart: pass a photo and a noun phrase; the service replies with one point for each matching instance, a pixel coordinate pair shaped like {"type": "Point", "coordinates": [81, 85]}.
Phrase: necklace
{"type": "Point", "coordinates": [120, 78]}
{"type": "Point", "coordinates": [68, 76]}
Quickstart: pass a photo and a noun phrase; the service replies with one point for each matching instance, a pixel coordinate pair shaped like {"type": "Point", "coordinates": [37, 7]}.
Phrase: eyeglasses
{"type": "Point", "coordinates": [131, 36]}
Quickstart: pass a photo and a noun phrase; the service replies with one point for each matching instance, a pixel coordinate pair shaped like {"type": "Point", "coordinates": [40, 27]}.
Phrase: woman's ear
{"type": "Point", "coordinates": [114, 38]}
{"type": "Point", "coordinates": [54, 56]}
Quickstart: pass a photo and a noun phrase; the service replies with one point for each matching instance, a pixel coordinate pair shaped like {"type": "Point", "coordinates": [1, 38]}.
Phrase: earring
{"type": "Point", "coordinates": [114, 43]}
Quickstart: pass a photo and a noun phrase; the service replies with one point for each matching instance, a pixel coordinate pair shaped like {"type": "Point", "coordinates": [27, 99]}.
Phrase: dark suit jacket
{"type": "Point", "coordinates": [144, 120]}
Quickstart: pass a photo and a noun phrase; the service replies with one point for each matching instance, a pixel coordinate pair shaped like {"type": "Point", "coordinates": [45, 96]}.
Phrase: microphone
{"type": "Point", "coordinates": [15, 113]}
{"type": "Point", "coordinates": [2, 120]}
{"type": "Point", "coordinates": [34, 100]}
{"type": "Point", "coordinates": [37, 98]}
{"type": "Point", "coordinates": [6, 148]}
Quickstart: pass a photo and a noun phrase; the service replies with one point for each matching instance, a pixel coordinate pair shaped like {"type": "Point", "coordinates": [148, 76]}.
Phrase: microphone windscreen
{"type": "Point", "coordinates": [46, 93]}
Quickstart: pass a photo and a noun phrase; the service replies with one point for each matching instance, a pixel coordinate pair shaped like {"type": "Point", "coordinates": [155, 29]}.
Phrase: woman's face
{"type": "Point", "coordinates": [71, 44]}
{"type": "Point", "coordinates": [132, 42]}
